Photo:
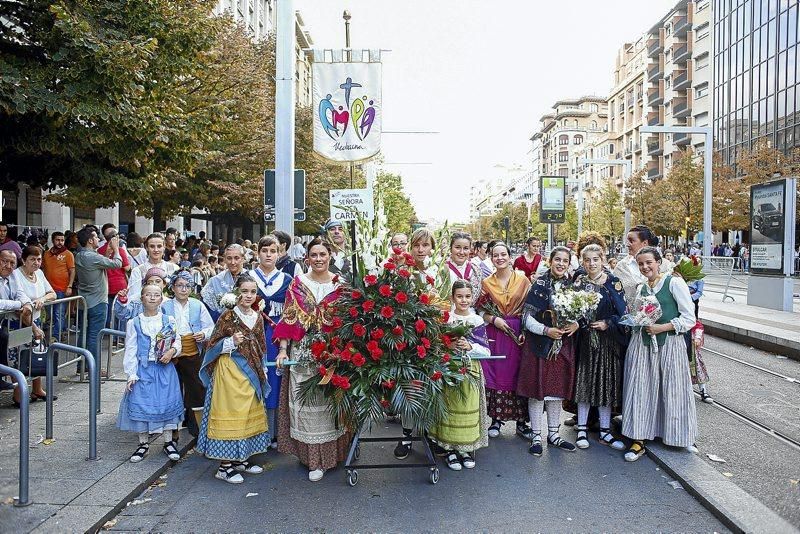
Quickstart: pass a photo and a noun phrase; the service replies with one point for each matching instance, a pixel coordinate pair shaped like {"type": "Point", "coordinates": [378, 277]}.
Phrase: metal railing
{"type": "Point", "coordinates": [24, 434]}
{"type": "Point", "coordinates": [720, 265]}
{"type": "Point", "coordinates": [112, 333]}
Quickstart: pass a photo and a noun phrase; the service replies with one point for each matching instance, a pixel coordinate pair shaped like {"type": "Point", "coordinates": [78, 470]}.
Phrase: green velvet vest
{"type": "Point", "coordinates": [669, 311]}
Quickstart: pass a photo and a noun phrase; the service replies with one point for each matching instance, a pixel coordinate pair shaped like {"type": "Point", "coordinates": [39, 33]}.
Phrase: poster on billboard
{"type": "Point", "coordinates": [347, 110]}
{"type": "Point", "coordinates": [552, 198]}
{"type": "Point", "coordinates": [767, 225]}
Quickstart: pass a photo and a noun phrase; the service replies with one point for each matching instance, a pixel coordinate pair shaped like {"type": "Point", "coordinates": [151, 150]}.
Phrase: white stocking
{"type": "Point", "coordinates": [605, 416]}
{"type": "Point", "coordinates": [167, 436]}
{"type": "Point", "coordinates": [553, 408]}
{"type": "Point", "coordinates": [535, 407]}
{"type": "Point", "coordinates": [143, 437]}
{"type": "Point", "coordinates": [583, 413]}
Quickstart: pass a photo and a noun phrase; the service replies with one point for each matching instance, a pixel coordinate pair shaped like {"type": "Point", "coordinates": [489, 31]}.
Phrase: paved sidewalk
{"type": "Point", "coordinates": [771, 330]}
{"type": "Point", "coordinates": [69, 493]}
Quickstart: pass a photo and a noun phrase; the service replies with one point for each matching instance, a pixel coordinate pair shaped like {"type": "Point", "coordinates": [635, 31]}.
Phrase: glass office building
{"type": "Point", "coordinates": [756, 85]}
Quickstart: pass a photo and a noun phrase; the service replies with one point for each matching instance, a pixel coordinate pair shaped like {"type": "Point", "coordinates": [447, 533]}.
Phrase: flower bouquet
{"type": "Point", "coordinates": [690, 269]}
{"type": "Point", "coordinates": [385, 350]}
{"type": "Point", "coordinates": [228, 300]}
{"type": "Point", "coordinates": [648, 311]}
{"type": "Point", "coordinates": [568, 306]}
{"type": "Point", "coordinates": [486, 305]}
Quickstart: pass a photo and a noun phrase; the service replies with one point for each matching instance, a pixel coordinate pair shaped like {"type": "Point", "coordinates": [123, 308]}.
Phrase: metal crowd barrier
{"type": "Point", "coordinates": [112, 333]}
{"type": "Point", "coordinates": [720, 265]}
{"type": "Point", "coordinates": [24, 434]}
{"type": "Point", "coordinates": [94, 392]}
{"type": "Point", "coordinates": [73, 331]}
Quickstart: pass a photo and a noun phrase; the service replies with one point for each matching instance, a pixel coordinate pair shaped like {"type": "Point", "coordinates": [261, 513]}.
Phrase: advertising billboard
{"type": "Point", "coordinates": [768, 222]}
{"type": "Point", "coordinates": [552, 199]}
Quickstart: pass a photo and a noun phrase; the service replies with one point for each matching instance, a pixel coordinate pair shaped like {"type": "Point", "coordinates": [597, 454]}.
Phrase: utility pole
{"type": "Point", "coordinates": [284, 117]}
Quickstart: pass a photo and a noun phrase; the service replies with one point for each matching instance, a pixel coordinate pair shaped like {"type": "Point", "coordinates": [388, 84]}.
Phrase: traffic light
{"type": "Point", "coordinates": [506, 223]}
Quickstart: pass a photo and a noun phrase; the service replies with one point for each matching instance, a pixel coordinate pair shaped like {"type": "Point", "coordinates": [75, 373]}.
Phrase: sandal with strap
{"type": "Point", "coordinates": [247, 467]}
{"type": "Point", "coordinates": [140, 453]}
{"type": "Point", "coordinates": [583, 440]}
{"type": "Point", "coordinates": [467, 460]}
{"type": "Point", "coordinates": [229, 474]}
{"type": "Point", "coordinates": [524, 431]}
{"type": "Point", "coordinates": [453, 462]}
{"type": "Point", "coordinates": [172, 451]}
{"type": "Point", "coordinates": [635, 451]}
{"type": "Point", "coordinates": [554, 439]}
{"type": "Point", "coordinates": [494, 428]}
{"type": "Point", "coordinates": [536, 444]}
{"type": "Point", "coordinates": [607, 438]}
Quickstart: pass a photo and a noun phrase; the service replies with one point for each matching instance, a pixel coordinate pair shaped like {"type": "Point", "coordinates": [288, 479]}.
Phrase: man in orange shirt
{"type": "Point", "coordinates": [58, 265]}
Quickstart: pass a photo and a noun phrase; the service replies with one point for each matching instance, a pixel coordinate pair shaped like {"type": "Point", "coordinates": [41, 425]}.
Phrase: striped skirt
{"type": "Point", "coordinates": [657, 393]}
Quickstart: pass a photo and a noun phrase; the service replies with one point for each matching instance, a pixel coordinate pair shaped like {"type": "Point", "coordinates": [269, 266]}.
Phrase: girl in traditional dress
{"type": "Point", "coordinates": [544, 378]}
{"type": "Point", "coordinates": [464, 430]}
{"type": "Point", "coordinates": [234, 425]}
{"type": "Point", "coordinates": [194, 326]}
{"type": "Point", "coordinates": [502, 296]}
{"type": "Point", "coordinates": [601, 348]}
{"type": "Point", "coordinates": [152, 402]}
{"type": "Point", "coordinates": [306, 429]}
{"type": "Point", "coordinates": [460, 267]}
{"type": "Point", "coordinates": [657, 388]}
{"type": "Point", "coordinates": [272, 285]}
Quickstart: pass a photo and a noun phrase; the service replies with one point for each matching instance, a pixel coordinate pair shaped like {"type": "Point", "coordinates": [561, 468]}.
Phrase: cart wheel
{"type": "Point", "coordinates": [434, 475]}
{"type": "Point", "coordinates": [357, 453]}
{"type": "Point", "coordinates": [352, 477]}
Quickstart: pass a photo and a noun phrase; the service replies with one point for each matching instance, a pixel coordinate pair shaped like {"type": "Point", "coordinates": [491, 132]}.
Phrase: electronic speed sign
{"type": "Point", "coordinates": [552, 199]}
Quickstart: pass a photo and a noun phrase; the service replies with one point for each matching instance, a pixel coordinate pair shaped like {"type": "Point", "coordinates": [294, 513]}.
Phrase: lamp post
{"type": "Point", "coordinates": [627, 167]}
{"type": "Point", "coordinates": [284, 117]}
{"type": "Point", "coordinates": [707, 172]}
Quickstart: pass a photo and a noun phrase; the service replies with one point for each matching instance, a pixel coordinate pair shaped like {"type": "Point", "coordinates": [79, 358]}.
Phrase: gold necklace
{"type": "Point", "coordinates": [655, 281]}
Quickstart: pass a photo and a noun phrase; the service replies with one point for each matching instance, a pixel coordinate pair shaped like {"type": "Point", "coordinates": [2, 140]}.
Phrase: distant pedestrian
{"type": "Point", "coordinates": [58, 265]}
{"type": "Point", "coordinates": [6, 243]}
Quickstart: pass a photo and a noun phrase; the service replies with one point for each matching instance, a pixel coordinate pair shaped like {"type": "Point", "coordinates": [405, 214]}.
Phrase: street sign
{"type": "Point", "coordinates": [552, 194]}
{"type": "Point", "coordinates": [299, 189]}
{"type": "Point", "coordinates": [347, 203]}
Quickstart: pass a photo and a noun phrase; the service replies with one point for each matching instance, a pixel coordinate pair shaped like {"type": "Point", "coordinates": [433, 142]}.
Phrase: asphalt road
{"type": "Point", "coordinates": [509, 490]}
{"type": "Point", "coordinates": [762, 465]}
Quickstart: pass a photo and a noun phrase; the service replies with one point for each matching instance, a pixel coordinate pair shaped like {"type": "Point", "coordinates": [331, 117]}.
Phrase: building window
{"type": "Point", "coordinates": [577, 140]}
{"type": "Point", "coordinates": [563, 139]}
{"type": "Point", "coordinates": [593, 108]}
{"type": "Point", "coordinates": [701, 90]}
{"type": "Point", "coordinates": [563, 157]}
{"type": "Point", "coordinates": [594, 125]}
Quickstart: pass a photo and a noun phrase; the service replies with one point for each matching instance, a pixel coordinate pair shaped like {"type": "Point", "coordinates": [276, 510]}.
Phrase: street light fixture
{"type": "Point", "coordinates": [707, 172]}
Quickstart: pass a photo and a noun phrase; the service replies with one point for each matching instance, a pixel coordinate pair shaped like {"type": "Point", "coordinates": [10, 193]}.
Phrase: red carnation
{"type": "Point", "coordinates": [318, 347]}
{"type": "Point", "coordinates": [385, 403]}
{"type": "Point", "coordinates": [372, 345]}
{"type": "Point", "coordinates": [397, 330]}
{"type": "Point", "coordinates": [397, 251]}
{"type": "Point", "coordinates": [336, 341]}
{"type": "Point", "coordinates": [425, 298]}
{"type": "Point", "coordinates": [405, 273]}
{"type": "Point", "coordinates": [430, 280]}
{"type": "Point", "coordinates": [421, 351]}
{"type": "Point", "coordinates": [368, 305]}
{"type": "Point", "coordinates": [388, 383]}
{"type": "Point", "coordinates": [385, 290]}
{"type": "Point", "coordinates": [401, 298]}
{"type": "Point", "coordinates": [402, 345]}
{"type": "Point", "coordinates": [355, 294]}
{"type": "Point", "coordinates": [370, 279]}
{"type": "Point", "coordinates": [426, 342]}
{"type": "Point", "coordinates": [376, 354]}
{"type": "Point", "coordinates": [463, 370]}
{"type": "Point", "coordinates": [346, 355]}
{"type": "Point", "coordinates": [446, 358]}
{"type": "Point", "coordinates": [335, 279]}
{"type": "Point", "coordinates": [410, 260]}
{"type": "Point", "coordinates": [436, 375]}
{"type": "Point", "coordinates": [387, 312]}
{"type": "Point", "coordinates": [337, 322]}
{"type": "Point", "coordinates": [378, 333]}
{"type": "Point", "coordinates": [349, 347]}
{"type": "Point", "coordinates": [353, 312]}
{"type": "Point", "coordinates": [358, 359]}
{"type": "Point", "coordinates": [322, 370]}
{"type": "Point", "coordinates": [389, 266]}
{"type": "Point", "coordinates": [359, 330]}
{"type": "Point", "coordinates": [419, 326]}
{"type": "Point", "coordinates": [446, 317]}
{"type": "Point", "coordinates": [446, 340]}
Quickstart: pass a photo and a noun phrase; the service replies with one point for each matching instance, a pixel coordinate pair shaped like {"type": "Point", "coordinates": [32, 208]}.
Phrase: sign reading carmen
{"type": "Point", "coordinates": [346, 204]}
{"type": "Point", "coordinates": [347, 110]}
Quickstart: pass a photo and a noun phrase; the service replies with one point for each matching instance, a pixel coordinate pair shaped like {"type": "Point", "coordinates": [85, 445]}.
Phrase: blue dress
{"type": "Point", "coordinates": [272, 289]}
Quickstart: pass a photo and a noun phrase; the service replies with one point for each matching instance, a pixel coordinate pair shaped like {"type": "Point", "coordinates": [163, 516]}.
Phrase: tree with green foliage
{"type": "Point", "coordinates": [608, 212]}
{"type": "Point", "coordinates": [400, 212]}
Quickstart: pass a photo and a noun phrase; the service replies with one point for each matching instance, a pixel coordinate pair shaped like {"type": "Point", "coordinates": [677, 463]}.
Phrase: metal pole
{"type": "Point", "coordinates": [346, 16]}
{"type": "Point", "coordinates": [48, 412]}
{"type": "Point", "coordinates": [24, 437]}
{"type": "Point", "coordinates": [284, 117]}
{"type": "Point", "coordinates": [580, 206]}
{"type": "Point", "coordinates": [628, 170]}
{"type": "Point", "coordinates": [93, 390]}
{"type": "Point", "coordinates": [111, 332]}
{"type": "Point", "coordinates": [707, 194]}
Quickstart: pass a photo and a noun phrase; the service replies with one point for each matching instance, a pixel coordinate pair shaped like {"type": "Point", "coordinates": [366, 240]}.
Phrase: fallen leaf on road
{"type": "Point", "coordinates": [40, 439]}
{"type": "Point", "coordinates": [8, 500]}
{"type": "Point", "coordinates": [267, 466]}
{"type": "Point", "coordinates": [793, 481]}
{"type": "Point", "coordinates": [675, 484]}
{"type": "Point", "coordinates": [715, 458]}
{"type": "Point", "coordinates": [729, 475]}
{"type": "Point", "coordinates": [163, 477]}
{"type": "Point", "coordinates": [110, 524]}
{"type": "Point", "coordinates": [48, 441]}
{"type": "Point", "coordinates": [137, 502]}
{"type": "Point", "coordinates": [251, 495]}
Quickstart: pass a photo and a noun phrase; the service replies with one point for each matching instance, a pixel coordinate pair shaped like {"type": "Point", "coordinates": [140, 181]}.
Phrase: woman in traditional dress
{"type": "Point", "coordinates": [306, 428]}
{"type": "Point", "coordinates": [529, 261]}
{"type": "Point", "coordinates": [627, 269]}
{"type": "Point", "coordinates": [502, 296]}
{"type": "Point", "coordinates": [459, 266]}
{"type": "Point", "coordinates": [657, 389]}
{"type": "Point", "coordinates": [234, 425]}
{"type": "Point", "coordinates": [464, 429]}
{"type": "Point", "coordinates": [272, 285]}
{"type": "Point", "coordinates": [422, 244]}
{"type": "Point", "coordinates": [545, 378]}
{"type": "Point", "coordinates": [152, 402]}
{"type": "Point", "coordinates": [601, 348]}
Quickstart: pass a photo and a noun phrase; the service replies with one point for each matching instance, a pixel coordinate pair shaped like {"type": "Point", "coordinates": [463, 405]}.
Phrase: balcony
{"type": "Point", "coordinates": [654, 46]}
{"type": "Point", "coordinates": [654, 118]}
{"type": "Point", "coordinates": [680, 108]}
{"type": "Point", "coordinates": [654, 170]}
{"type": "Point", "coordinates": [654, 146]}
{"type": "Point", "coordinates": [682, 81]}
{"type": "Point", "coordinates": [628, 151]}
{"type": "Point", "coordinates": [682, 54]}
{"type": "Point", "coordinates": [637, 148]}
{"type": "Point", "coordinates": [654, 72]}
{"type": "Point", "coordinates": [681, 25]}
{"type": "Point", "coordinates": [682, 139]}
{"type": "Point", "coordinates": [655, 96]}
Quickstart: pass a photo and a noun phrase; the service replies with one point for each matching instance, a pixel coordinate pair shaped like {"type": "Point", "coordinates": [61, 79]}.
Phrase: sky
{"type": "Point", "coordinates": [479, 74]}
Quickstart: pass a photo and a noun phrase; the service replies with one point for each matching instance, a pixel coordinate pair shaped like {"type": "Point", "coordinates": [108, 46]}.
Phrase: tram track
{"type": "Point", "coordinates": [754, 366]}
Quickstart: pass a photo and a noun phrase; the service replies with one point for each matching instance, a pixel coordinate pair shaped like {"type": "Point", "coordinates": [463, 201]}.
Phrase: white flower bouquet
{"type": "Point", "coordinates": [648, 311]}
{"type": "Point", "coordinates": [568, 306]}
{"type": "Point", "coordinates": [228, 300]}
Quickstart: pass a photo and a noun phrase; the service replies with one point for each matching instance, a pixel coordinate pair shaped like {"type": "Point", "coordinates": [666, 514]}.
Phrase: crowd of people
{"type": "Point", "coordinates": [219, 368]}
